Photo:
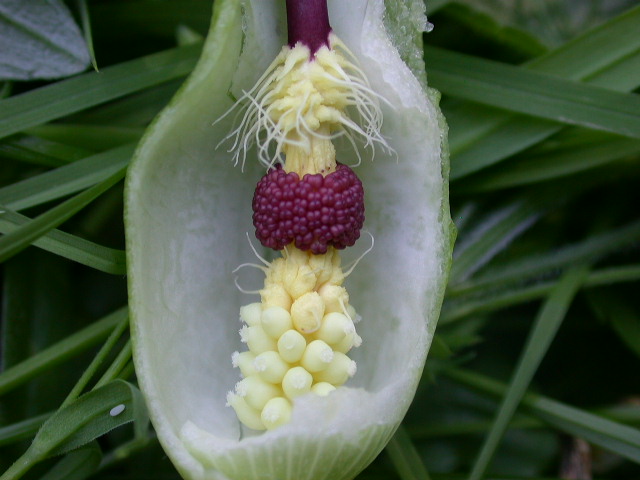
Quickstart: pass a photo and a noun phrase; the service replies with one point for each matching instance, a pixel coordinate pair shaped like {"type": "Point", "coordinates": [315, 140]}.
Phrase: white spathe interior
{"type": "Point", "coordinates": [188, 213]}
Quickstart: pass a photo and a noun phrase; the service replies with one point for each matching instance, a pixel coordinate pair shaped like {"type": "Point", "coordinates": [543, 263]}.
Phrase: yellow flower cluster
{"type": "Point", "coordinates": [298, 337]}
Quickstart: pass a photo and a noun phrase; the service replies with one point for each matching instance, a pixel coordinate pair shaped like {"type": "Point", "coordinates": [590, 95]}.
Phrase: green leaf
{"type": "Point", "coordinates": [22, 430]}
{"type": "Point", "coordinates": [91, 416]}
{"type": "Point", "coordinates": [87, 418]}
{"type": "Point", "coordinates": [547, 165]}
{"type": "Point", "coordinates": [36, 313]}
{"type": "Point", "coordinates": [542, 333]}
{"type": "Point", "coordinates": [86, 30]}
{"type": "Point", "coordinates": [39, 40]}
{"type": "Point", "coordinates": [90, 371]}
{"type": "Point", "coordinates": [489, 300]}
{"type": "Point", "coordinates": [31, 149]}
{"type": "Point", "coordinates": [507, 274]}
{"type": "Point", "coordinates": [606, 56]}
{"type": "Point", "coordinates": [61, 351]}
{"type": "Point", "coordinates": [76, 465]}
{"type": "Point", "coordinates": [494, 29]}
{"type": "Point", "coordinates": [105, 259]}
{"type": "Point", "coordinates": [23, 236]}
{"type": "Point", "coordinates": [610, 435]}
{"type": "Point", "coordinates": [533, 93]}
{"type": "Point", "coordinates": [73, 95]}
{"type": "Point", "coordinates": [90, 137]}
{"type": "Point", "coordinates": [493, 233]}
{"type": "Point", "coordinates": [622, 315]}
{"type": "Point", "coordinates": [405, 458]}
{"type": "Point", "coordinates": [133, 110]}
{"type": "Point", "coordinates": [117, 366]}
{"type": "Point", "coordinates": [65, 180]}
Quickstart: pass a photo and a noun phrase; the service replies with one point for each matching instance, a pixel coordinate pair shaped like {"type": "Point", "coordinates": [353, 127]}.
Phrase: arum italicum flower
{"type": "Point", "coordinates": [301, 411]}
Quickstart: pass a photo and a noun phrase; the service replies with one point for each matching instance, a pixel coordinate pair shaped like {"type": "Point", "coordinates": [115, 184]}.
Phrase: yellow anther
{"type": "Point", "coordinates": [331, 272]}
{"type": "Point", "coordinates": [307, 312]}
{"type": "Point", "coordinates": [291, 346]}
{"type": "Point", "coordinates": [275, 295]}
{"type": "Point", "coordinates": [335, 327]}
{"type": "Point", "coordinates": [338, 372]}
{"type": "Point", "coordinates": [246, 414]}
{"type": "Point", "coordinates": [317, 356]}
{"type": "Point", "coordinates": [270, 367]}
{"type": "Point", "coordinates": [250, 314]}
{"type": "Point", "coordinates": [324, 266]}
{"type": "Point", "coordinates": [257, 339]}
{"type": "Point", "coordinates": [297, 381]}
{"type": "Point", "coordinates": [256, 392]}
{"type": "Point", "coordinates": [335, 298]}
{"type": "Point", "coordinates": [244, 361]}
{"type": "Point", "coordinates": [322, 388]}
{"type": "Point", "coordinates": [276, 321]}
{"type": "Point", "coordinates": [298, 280]}
{"type": "Point", "coordinates": [276, 412]}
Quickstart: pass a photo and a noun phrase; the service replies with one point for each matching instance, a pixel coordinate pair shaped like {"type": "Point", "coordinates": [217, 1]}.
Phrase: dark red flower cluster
{"type": "Point", "coordinates": [314, 212]}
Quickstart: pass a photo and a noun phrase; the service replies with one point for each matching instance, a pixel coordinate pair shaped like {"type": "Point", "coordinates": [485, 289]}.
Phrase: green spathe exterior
{"type": "Point", "coordinates": [188, 210]}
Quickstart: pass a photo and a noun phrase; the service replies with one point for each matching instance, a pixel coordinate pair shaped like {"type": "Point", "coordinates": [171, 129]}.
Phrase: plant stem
{"type": "Point", "coordinates": [308, 23]}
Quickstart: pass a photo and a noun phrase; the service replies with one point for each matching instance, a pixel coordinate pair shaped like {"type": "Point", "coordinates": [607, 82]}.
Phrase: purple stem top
{"type": "Point", "coordinates": [308, 23]}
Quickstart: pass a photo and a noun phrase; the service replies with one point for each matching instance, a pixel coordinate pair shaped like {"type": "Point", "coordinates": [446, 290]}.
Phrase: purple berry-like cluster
{"type": "Point", "coordinates": [314, 212]}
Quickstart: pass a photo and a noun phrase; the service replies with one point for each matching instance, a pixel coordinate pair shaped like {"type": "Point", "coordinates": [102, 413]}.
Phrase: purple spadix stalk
{"type": "Point", "coordinates": [308, 23]}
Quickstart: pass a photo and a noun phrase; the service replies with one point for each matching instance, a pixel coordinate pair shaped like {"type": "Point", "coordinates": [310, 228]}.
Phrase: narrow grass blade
{"type": "Point", "coordinates": [104, 259]}
{"type": "Point", "coordinates": [489, 300]}
{"type": "Point", "coordinates": [603, 56]}
{"type": "Point", "coordinates": [65, 180]}
{"type": "Point", "coordinates": [595, 50]}
{"type": "Point", "coordinates": [23, 236]}
{"type": "Point", "coordinates": [550, 165]}
{"type": "Point", "coordinates": [90, 371]}
{"type": "Point", "coordinates": [624, 318]}
{"type": "Point", "coordinates": [503, 276]}
{"type": "Point", "coordinates": [134, 110]}
{"type": "Point", "coordinates": [540, 337]}
{"type": "Point", "coordinates": [94, 137]}
{"type": "Point", "coordinates": [621, 76]}
{"type": "Point", "coordinates": [468, 427]}
{"type": "Point", "coordinates": [73, 95]}
{"type": "Point", "coordinates": [405, 458]}
{"type": "Point", "coordinates": [117, 366]}
{"type": "Point", "coordinates": [494, 233]}
{"type": "Point", "coordinates": [533, 93]}
{"type": "Point", "coordinates": [610, 435]}
{"type": "Point", "coordinates": [22, 430]}
{"type": "Point", "coordinates": [60, 351]}
{"type": "Point", "coordinates": [89, 417]}
{"type": "Point", "coordinates": [76, 465]}
{"type": "Point", "coordinates": [86, 31]}
{"type": "Point", "coordinates": [38, 151]}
